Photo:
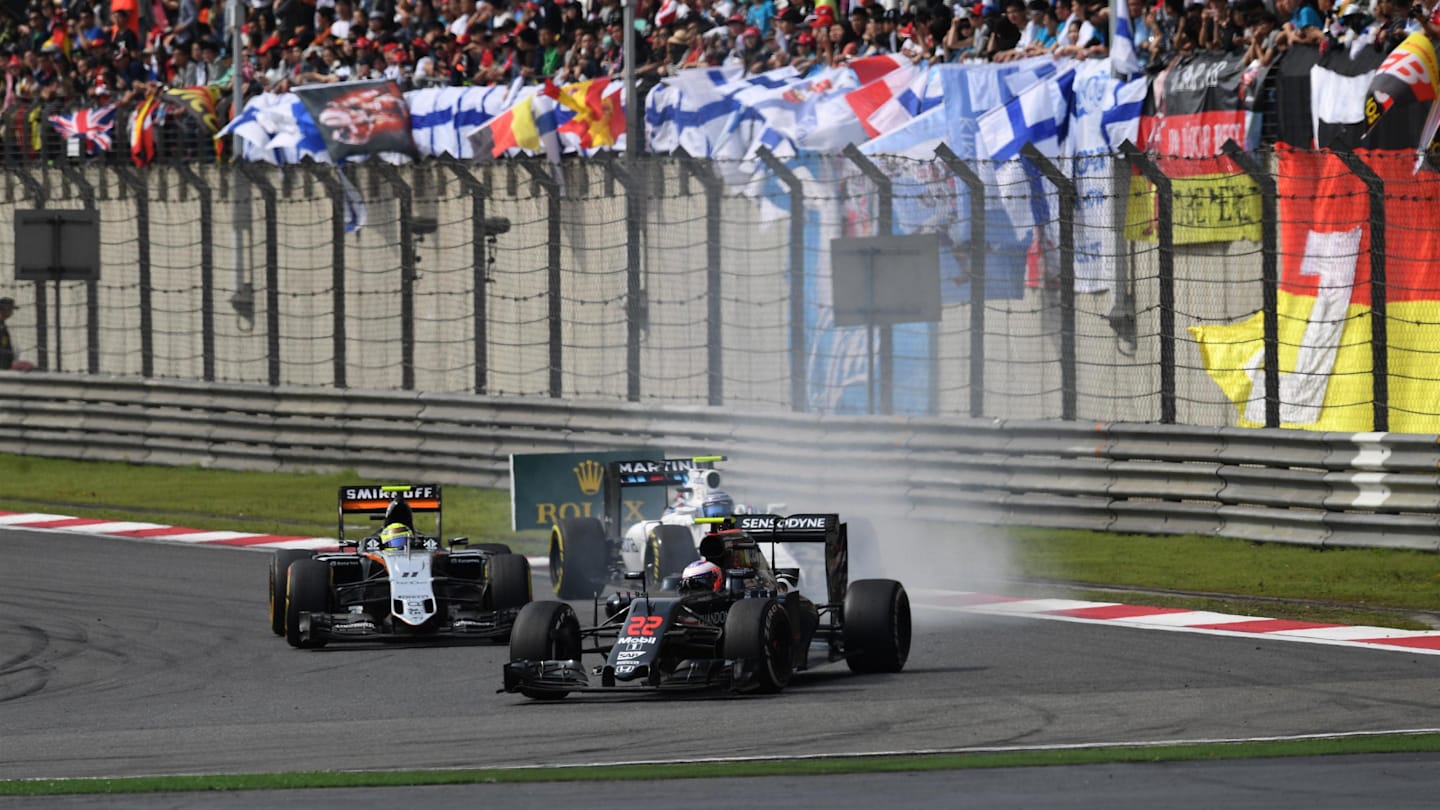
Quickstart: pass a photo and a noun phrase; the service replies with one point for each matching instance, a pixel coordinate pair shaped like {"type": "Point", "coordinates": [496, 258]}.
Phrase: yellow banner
{"type": "Point", "coordinates": [1207, 208]}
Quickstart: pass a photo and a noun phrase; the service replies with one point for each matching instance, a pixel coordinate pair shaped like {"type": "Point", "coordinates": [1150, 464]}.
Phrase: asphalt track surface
{"type": "Point", "coordinates": [122, 658]}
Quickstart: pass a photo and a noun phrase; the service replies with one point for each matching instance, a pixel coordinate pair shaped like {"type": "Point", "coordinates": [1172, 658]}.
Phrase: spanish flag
{"type": "Point", "coordinates": [599, 112]}
{"type": "Point", "coordinates": [1325, 317]}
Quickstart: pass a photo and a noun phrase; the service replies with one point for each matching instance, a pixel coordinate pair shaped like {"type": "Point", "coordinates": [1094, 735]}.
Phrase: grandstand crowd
{"type": "Point", "coordinates": [71, 54]}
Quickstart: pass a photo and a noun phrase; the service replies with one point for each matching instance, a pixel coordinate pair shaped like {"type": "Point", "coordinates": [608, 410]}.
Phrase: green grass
{"type": "Point", "coordinates": [1357, 586]}
{"type": "Point", "coordinates": [266, 503]}
{"type": "Point", "coordinates": [1378, 744]}
{"type": "Point", "coordinates": [1354, 585]}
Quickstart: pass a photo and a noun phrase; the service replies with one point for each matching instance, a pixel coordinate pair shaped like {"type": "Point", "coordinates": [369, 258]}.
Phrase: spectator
{"type": "Point", "coordinates": [760, 15]}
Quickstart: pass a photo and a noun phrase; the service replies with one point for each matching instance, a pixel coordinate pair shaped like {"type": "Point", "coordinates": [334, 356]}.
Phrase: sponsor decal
{"type": "Point", "coordinates": [624, 669]}
{"type": "Point", "coordinates": [804, 522]}
{"type": "Point", "coordinates": [629, 655]}
{"type": "Point", "coordinates": [637, 641]}
{"type": "Point", "coordinates": [647, 467]}
{"type": "Point", "coordinates": [376, 494]}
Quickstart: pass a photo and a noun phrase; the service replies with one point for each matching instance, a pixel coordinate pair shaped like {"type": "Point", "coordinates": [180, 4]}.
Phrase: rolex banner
{"type": "Point", "coordinates": [546, 487]}
{"type": "Point", "coordinates": [359, 118]}
{"type": "Point", "coordinates": [1325, 302]}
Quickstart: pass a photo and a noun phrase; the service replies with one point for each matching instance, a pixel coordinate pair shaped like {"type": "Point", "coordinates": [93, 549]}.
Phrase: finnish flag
{"type": "Point", "coordinates": [1034, 116]}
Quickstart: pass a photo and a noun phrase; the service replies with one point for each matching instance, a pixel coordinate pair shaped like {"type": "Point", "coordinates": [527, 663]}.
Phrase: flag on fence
{"type": "Point", "coordinates": [355, 212]}
{"type": "Point", "coordinates": [201, 104]}
{"type": "Point", "coordinates": [142, 131]}
{"type": "Point", "coordinates": [360, 118]}
{"type": "Point", "coordinates": [1124, 61]}
{"type": "Point", "coordinates": [1326, 380]}
{"type": "Point", "coordinates": [890, 101]}
{"type": "Point", "coordinates": [1338, 84]}
{"type": "Point", "coordinates": [598, 112]}
{"type": "Point", "coordinates": [276, 128]}
{"type": "Point", "coordinates": [91, 126]}
{"type": "Point", "coordinates": [1032, 117]}
{"type": "Point", "coordinates": [1404, 87]}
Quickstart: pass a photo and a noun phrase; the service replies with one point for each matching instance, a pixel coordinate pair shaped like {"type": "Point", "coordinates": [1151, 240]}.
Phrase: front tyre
{"type": "Point", "coordinates": [877, 626]}
{"type": "Point", "coordinates": [307, 591]}
{"type": "Point", "coordinates": [545, 631]}
{"type": "Point", "coordinates": [578, 558]}
{"type": "Point", "coordinates": [279, 573]}
{"type": "Point", "coordinates": [509, 581]}
{"type": "Point", "coordinates": [758, 630]}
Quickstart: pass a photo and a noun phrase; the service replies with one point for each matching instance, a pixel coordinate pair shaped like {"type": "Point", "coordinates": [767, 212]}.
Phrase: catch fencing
{"type": "Point", "coordinates": [682, 282]}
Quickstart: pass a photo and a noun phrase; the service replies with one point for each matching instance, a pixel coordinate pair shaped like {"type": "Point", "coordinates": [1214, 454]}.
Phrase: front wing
{"type": "Point", "coordinates": [560, 676]}
{"type": "Point", "coordinates": [361, 627]}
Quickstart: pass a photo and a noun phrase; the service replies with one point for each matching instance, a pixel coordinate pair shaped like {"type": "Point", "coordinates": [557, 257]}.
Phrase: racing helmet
{"type": "Point", "coordinates": [395, 536]}
{"type": "Point", "coordinates": [718, 503]}
{"type": "Point", "coordinates": [701, 575]}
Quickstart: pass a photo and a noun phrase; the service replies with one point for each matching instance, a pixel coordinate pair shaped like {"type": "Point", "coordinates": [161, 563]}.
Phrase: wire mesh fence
{"type": "Point", "coordinates": [1091, 294]}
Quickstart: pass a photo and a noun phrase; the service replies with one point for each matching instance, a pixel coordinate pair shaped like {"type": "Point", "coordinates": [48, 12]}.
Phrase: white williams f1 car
{"type": "Point", "coordinates": [396, 583]}
{"type": "Point", "coordinates": [588, 553]}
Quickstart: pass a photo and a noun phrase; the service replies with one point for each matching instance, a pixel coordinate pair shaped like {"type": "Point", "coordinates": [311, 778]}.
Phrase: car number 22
{"type": "Point", "coordinates": [643, 625]}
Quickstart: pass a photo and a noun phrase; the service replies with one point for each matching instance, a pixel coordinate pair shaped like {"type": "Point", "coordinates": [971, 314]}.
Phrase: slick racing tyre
{"type": "Point", "coordinates": [578, 557]}
{"type": "Point", "coordinates": [670, 549]}
{"type": "Point", "coordinates": [509, 581]}
{"type": "Point", "coordinates": [758, 630]}
{"type": "Point", "coordinates": [307, 591]}
{"type": "Point", "coordinates": [545, 631]}
{"type": "Point", "coordinates": [877, 626]}
{"type": "Point", "coordinates": [279, 574]}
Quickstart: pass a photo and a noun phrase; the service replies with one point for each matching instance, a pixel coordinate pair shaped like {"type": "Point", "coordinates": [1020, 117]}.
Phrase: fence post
{"type": "Point", "coordinates": [1069, 202]}
{"type": "Point", "coordinates": [42, 335]}
{"type": "Point", "coordinates": [714, 333]}
{"type": "Point", "coordinates": [1379, 308]}
{"type": "Point", "coordinates": [797, 276]}
{"type": "Point", "coordinates": [480, 238]}
{"type": "Point", "coordinates": [977, 274]}
{"type": "Point", "coordinates": [403, 196]}
{"type": "Point", "coordinates": [885, 226]}
{"type": "Point", "coordinates": [254, 174]}
{"type": "Point", "coordinates": [541, 175]}
{"type": "Point", "coordinates": [1269, 273]}
{"type": "Point", "coordinates": [1166, 224]}
{"type": "Point", "coordinates": [92, 286]}
{"type": "Point", "coordinates": [207, 268]}
{"type": "Point", "coordinates": [327, 177]}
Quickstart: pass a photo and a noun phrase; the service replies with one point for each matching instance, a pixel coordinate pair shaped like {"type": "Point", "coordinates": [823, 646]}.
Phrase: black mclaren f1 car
{"type": "Point", "coordinates": [396, 583]}
{"type": "Point", "coordinates": [748, 631]}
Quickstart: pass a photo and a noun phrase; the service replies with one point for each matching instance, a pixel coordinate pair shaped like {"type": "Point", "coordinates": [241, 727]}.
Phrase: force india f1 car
{"type": "Point", "coordinates": [587, 553]}
{"type": "Point", "coordinates": [749, 634]}
{"type": "Point", "coordinates": [406, 588]}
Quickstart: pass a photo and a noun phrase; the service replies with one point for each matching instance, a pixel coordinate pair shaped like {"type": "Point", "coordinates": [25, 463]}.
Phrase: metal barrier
{"type": "Point", "coordinates": [942, 474]}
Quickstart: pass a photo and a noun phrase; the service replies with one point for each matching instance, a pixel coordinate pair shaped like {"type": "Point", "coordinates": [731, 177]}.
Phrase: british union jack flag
{"type": "Point", "coordinates": [92, 127]}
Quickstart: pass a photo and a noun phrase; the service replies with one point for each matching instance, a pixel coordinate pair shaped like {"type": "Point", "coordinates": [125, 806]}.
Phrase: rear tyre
{"type": "Point", "coordinates": [509, 581]}
{"type": "Point", "coordinates": [877, 626]}
{"type": "Point", "coordinates": [545, 631]}
{"type": "Point", "coordinates": [493, 548]}
{"type": "Point", "coordinates": [671, 548]}
{"type": "Point", "coordinates": [578, 554]}
{"type": "Point", "coordinates": [758, 630]}
{"type": "Point", "coordinates": [307, 591]}
{"type": "Point", "coordinates": [279, 572]}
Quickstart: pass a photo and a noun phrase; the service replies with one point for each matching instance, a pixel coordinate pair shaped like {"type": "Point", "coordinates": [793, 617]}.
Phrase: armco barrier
{"type": "Point", "coordinates": [942, 474]}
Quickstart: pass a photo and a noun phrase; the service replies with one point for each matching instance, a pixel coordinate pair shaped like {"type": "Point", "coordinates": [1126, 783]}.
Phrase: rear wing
{"type": "Point", "coordinates": [815, 528]}
{"type": "Point", "coordinates": [647, 472]}
{"type": "Point", "coordinates": [390, 503]}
